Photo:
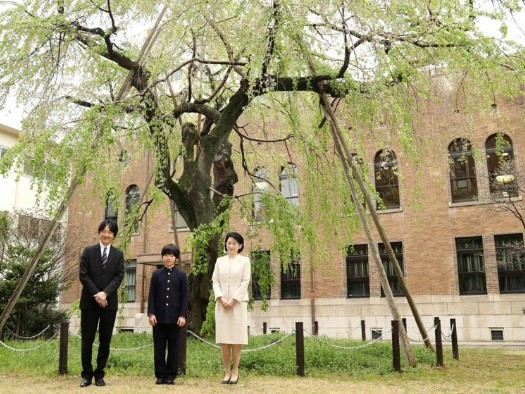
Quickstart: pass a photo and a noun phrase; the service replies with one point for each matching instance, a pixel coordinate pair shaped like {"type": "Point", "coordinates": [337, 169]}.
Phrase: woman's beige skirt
{"type": "Point", "coordinates": [231, 326]}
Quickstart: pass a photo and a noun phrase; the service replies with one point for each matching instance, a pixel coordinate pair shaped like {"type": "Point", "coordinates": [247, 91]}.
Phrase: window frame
{"type": "Point", "coordinates": [291, 280]}
{"type": "Point", "coordinates": [354, 259]}
{"type": "Point", "coordinates": [254, 257]}
{"type": "Point", "coordinates": [111, 209]}
{"type": "Point", "coordinates": [462, 169]}
{"type": "Point", "coordinates": [386, 180]}
{"type": "Point", "coordinates": [465, 275]}
{"type": "Point", "coordinates": [393, 280]}
{"type": "Point", "coordinates": [130, 271]}
{"type": "Point", "coordinates": [260, 187]}
{"type": "Point", "coordinates": [181, 223]}
{"type": "Point", "coordinates": [132, 199]}
{"type": "Point", "coordinates": [515, 249]}
{"type": "Point", "coordinates": [498, 156]}
{"type": "Point", "coordinates": [3, 150]}
{"type": "Point", "coordinates": [289, 184]}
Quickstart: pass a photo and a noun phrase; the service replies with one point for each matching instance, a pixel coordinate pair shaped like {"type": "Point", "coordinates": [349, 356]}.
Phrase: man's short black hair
{"type": "Point", "coordinates": [113, 226]}
{"type": "Point", "coordinates": [170, 249]}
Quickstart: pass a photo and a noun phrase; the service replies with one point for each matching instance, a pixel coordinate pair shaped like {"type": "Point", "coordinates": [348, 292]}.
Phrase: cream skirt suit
{"type": "Point", "coordinates": [231, 278]}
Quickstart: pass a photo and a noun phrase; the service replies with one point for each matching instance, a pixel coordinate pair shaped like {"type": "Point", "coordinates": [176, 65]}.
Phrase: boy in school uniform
{"type": "Point", "coordinates": [168, 305]}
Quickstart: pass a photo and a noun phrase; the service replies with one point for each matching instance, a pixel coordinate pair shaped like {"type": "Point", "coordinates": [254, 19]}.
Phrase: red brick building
{"type": "Point", "coordinates": [439, 213]}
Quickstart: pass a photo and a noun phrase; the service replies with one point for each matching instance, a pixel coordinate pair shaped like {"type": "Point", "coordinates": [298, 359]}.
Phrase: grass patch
{"type": "Point", "coordinates": [132, 355]}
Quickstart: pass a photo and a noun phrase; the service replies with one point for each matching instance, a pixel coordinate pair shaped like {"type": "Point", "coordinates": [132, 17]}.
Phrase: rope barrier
{"type": "Point", "coordinates": [449, 336]}
{"type": "Point", "coordinates": [244, 350]}
{"type": "Point", "coordinates": [29, 349]}
{"type": "Point", "coordinates": [32, 337]}
{"type": "Point", "coordinates": [269, 345]}
{"type": "Point", "coordinates": [264, 347]}
{"type": "Point", "coordinates": [422, 340]}
{"type": "Point", "coordinates": [117, 349]}
{"type": "Point", "coordinates": [204, 340]}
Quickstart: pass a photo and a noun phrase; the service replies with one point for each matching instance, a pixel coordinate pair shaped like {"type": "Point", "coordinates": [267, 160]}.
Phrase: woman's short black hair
{"type": "Point", "coordinates": [236, 236]}
{"type": "Point", "coordinates": [170, 249]}
{"type": "Point", "coordinates": [113, 226]}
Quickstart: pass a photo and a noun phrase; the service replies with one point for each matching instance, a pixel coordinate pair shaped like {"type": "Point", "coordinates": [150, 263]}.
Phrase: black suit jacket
{"type": "Point", "coordinates": [94, 278]}
{"type": "Point", "coordinates": [168, 300]}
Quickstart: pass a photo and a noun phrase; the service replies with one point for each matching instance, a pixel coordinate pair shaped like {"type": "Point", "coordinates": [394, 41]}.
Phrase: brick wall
{"type": "Point", "coordinates": [427, 230]}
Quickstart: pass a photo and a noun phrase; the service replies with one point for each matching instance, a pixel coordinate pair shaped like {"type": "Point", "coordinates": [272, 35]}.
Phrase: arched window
{"type": "Point", "coordinates": [132, 199]}
{"type": "Point", "coordinates": [261, 186]}
{"type": "Point", "coordinates": [386, 179]}
{"type": "Point", "coordinates": [463, 185]}
{"type": "Point", "coordinates": [500, 165]}
{"type": "Point", "coordinates": [289, 184]}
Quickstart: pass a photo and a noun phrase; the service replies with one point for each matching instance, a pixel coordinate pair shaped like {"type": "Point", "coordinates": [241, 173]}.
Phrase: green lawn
{"type": "Point", "coordinates": [325, 360]}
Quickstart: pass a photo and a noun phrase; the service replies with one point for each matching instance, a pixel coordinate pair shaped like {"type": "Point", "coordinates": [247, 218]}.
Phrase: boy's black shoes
{"type": "Point", "coordinates": [160, 381]}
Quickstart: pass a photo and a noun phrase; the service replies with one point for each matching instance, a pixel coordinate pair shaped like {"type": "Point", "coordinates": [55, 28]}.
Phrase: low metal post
{"type": "Point", "coordinates": [62, 357]}
{"type": "Point", "coordinates": [396, 353]}
{"type": "Point", "coordinates": [439, 342]}
{"type": "Point", "coordinates": [299, 348]}
{"type": "Point", "coordinates": [183, 343]}
{"type": "Point", "coordinates": [454, 338]}
{"type": "Point", "coordinates": [363, 330]}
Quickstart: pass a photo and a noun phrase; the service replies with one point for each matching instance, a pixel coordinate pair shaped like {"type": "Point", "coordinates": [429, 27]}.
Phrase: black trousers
{"type": "Point", "coordinates": [166, 337]}
{"type": "Point", "coordinates": [90, 320]}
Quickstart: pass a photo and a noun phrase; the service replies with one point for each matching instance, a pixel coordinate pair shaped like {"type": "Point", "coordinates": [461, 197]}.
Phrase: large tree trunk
{"type": "Point", "coordinates": [224, 178]}
{"type": "Point", "coordinates": [200, 287]}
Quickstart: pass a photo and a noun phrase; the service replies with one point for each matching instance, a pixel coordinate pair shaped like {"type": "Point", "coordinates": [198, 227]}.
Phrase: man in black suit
{"type": "Point", "coordinates": [168, 304]}
{"type": "Point", "coordinates": [101, 273]}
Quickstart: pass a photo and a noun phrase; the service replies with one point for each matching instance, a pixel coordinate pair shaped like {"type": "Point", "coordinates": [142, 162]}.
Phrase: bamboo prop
{"type": "Point", "coordinates": [349, 166]}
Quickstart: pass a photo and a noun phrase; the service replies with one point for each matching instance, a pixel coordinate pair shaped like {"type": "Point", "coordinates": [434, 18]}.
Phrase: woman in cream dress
{"type": "Point", "coordinates": [231, 277]}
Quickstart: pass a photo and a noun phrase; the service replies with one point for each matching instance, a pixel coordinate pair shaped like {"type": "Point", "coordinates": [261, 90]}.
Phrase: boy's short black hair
{"type": "Point", "coordinates": [113, 226]}
{"type": "Point", "coordinates": [170, 249]}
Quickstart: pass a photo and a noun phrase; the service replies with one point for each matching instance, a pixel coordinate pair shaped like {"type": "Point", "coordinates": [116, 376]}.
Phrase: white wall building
{"type": "Point", "coordinates": [13, 195]}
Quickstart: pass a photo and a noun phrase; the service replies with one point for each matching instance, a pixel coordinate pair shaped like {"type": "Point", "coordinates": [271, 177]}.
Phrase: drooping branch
{"type": "Point", "coordinates": [227, 46]}
{"type": "Point", "coordinates": [246, 137]}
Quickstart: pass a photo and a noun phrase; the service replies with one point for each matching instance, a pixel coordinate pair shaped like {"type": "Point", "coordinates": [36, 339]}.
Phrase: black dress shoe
{"type": "Point", "coordinates": [100, 382]}
{"type": "Point", "coordinates": [160, 381]}
{"type": "Point", "coordinates": [170, 381]}
{"type": "Point", "coordinates": [85, 382]}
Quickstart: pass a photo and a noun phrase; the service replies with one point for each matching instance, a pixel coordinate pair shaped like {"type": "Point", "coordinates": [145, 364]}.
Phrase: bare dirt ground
{"type": "Point", "coordinates": [12, 383]}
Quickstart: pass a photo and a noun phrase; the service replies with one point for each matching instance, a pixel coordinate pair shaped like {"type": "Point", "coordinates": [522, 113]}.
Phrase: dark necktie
{"type": "Point", "coordinates": [104, 257]}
